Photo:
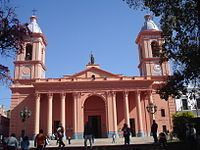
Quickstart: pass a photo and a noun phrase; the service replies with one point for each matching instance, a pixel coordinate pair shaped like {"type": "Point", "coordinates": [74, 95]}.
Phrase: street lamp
{"type": "Point", "coordinates": [151, 108]}
{"type": "Point", "coordinates": [25, 114]}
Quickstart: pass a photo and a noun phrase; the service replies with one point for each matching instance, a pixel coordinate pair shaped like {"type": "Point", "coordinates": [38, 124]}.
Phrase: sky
{"type": "Point", "coordinates": [75, 28]}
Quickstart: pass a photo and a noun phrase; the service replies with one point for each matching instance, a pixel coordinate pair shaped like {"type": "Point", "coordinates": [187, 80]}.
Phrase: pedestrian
{"type": "Point", "coordinates": [87, 135]}
{"type": "Point", "coordinates": [162, 139]}
{"type": "Point", "coordinates": [60, 133]}
{"type": "Point", "coordinates": [12, 142]}
{"type": "Point", "coordinates": [154, 128]}
{"type": "Point", "coordinates": [126, 133]}
{"type": "Point", "coordinates": [69, 139]}
{"type": "Point", "coordinates": [191, 137]}
{"type": "Point", "coordinates": [25, 143]}
{"type": "Point", "coordinates": [4, 143]}
{"type": "Point", "coordinates": [40, 140]}
{"type": "Point", "coordinates": [113, 138]}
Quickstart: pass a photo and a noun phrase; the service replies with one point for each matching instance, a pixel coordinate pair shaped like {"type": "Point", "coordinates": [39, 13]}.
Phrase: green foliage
{"type": "Point", "coordinates": [179, 22]}
{"type": "Point", "coordinates": [179, 123]}
{"type": "Point", "coordinates": [12, 35]}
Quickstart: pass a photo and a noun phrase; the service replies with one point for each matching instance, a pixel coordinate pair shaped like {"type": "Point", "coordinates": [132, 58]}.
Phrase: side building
{"type": "Point", "coordinates": [4, 121]}
{"type": "Point", "coordinates": [189, 102]}
{"type": "Point", "coordinates": [104, 99]}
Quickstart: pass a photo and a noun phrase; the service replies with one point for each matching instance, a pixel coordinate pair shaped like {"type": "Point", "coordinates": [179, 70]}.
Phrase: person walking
{"type": "Point", "coordinates": [12, 142]}
{"type": "Point", "coordinates": [87, 135]}
{"type": "Point", "coordinates": [60, 133]}
{"type": "Point", "coordinates": [154, 128]}
{"type": "Point", "coordinates": [25, 143]}
{"type": "Point", "coordinates": [40, 140]}
{"type": "Point", "coordinates": [126, 132]}
{"type": "Point", "coordinates": [113, 138]}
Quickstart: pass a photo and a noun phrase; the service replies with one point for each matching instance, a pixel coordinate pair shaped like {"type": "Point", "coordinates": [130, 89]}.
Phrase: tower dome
{"type": "Point", "coordinates": [33, 25]}
{"type": "Point", "coordinates": [149, 24]}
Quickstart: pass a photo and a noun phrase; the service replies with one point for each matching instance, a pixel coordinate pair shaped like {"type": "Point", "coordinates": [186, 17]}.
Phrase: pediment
{"type": "Point", "coordinates": [97, 72]}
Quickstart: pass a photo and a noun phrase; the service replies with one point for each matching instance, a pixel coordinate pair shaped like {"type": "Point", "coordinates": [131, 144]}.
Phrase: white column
{"type": "Point", "coordinates": [139, 114]}
{"type": "Point", "coordinates": [37, 114]}
{"type": "Point", "coordinates": [62, 110]}
{"type": "Point", "coordinates": [49, 114]}
{"type": "Point", "coordinates": [126, 109]}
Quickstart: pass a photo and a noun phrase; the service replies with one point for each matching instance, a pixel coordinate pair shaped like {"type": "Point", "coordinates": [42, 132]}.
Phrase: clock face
{"type": "Point", "coordinates": [157, 67]}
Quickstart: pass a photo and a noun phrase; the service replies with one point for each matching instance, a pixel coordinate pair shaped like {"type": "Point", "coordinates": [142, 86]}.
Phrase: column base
{"type": "Point", "coordinates": [78, 135]}
{"type": "Point", "coordinates": [140, 134]}
{"type": "Point", "coordinates": [110, 134]}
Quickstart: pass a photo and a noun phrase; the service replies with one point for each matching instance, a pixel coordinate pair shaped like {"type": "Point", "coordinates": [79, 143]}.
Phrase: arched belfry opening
{"type": "Point", "coordinates": [155, 48]}
{"type": "Point", "coordinates": [29, 51]}
{"type": "Point", "coordinates": [95, 114]}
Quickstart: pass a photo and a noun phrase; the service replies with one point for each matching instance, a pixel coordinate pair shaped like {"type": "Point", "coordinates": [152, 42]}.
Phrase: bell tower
{"type": "Point", "coordinates": [30, 63]}
{"type": "Point", "coordinates": [149, 40]}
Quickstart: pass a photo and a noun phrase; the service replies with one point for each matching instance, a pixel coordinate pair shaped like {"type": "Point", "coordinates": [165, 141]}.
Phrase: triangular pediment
{"type": "Point", "coordinates": [97, 72]}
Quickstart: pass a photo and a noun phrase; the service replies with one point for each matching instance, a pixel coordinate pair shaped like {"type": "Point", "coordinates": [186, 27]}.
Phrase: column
{"type": "Point", "coordinates": [75, 114]}
{"type": "Point", "coordinates": [115, 113]}
{"type": "Point", "coordinates": [126, 109]}
{"type": "Point", "coordinates": [139, 114]}
{"type": "Point", "coordinates": [62, 109]}
{"type": "Point", "coordinates": [37, 114]}
{"type": "Point", "coordinates": [49, 114]}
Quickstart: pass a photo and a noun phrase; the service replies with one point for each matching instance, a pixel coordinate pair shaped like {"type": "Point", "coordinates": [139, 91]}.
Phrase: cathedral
{"type": "Point", "coordinates": [104, 99]}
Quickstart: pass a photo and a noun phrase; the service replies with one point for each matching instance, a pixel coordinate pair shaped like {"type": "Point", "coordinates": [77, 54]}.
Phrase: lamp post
{"type": "Point", "coordinates": [25, 114]}
{"type": "Point", "coordinates": [151, 108]}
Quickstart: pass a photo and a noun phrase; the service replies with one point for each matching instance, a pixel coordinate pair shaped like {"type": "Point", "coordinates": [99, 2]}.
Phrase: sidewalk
{"type": "Point", "coordinates": [102, 142]}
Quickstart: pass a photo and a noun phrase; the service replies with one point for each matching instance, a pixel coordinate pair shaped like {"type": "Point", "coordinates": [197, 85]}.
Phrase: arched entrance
{"type": "Point", "coordinates": [95, 114]}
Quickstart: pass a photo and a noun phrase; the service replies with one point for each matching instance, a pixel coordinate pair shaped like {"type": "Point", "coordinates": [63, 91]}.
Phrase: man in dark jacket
{"type": "Point", "coordinates": [126, 132]}
{"type": "Point", "coordinates": [87, 135]}
{"type": "Point", "coordinates": [154, 128]}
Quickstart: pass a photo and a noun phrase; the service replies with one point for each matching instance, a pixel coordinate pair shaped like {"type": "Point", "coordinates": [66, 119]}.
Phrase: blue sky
{"type": "Point", "coordinates": [74, 28]}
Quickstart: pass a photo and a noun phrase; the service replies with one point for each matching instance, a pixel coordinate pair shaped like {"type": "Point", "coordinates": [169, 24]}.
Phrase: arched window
{"type": "Point", "coordinates": [155, 47]}
{"type": "Point", "coordinates": [29, 49]}
{"type": "Point", "coordinates": [93, 77]}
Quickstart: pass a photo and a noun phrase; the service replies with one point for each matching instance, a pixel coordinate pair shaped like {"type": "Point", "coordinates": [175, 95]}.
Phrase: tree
{"type": "Point", "coordinates": [180, 23]}
{"type": "Point", "coordinates": [179, 123]}
{"type": "Point", "coordinates": [12, 34]}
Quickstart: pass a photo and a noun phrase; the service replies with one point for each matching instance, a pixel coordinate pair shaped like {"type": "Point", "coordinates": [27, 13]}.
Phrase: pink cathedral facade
{"type": "Point", "coordinates": [104, 99]}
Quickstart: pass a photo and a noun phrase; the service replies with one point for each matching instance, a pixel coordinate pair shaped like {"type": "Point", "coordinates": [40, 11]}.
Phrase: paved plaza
{"type": "Point", "coordinates": [103, 141]}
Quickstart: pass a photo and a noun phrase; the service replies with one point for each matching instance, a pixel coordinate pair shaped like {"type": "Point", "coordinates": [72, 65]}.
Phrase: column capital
{"type": "Point", "coordinates": [37, 95]}
{"type": "Point", "coordinates": [62, 94]}
{"type": "Point", "coordinates": [109, 93]}
{"type": "Point", "coordinates": [150, 92]}
{"type": "Point", "coordinates": [126, 93]}
{"type": "Point", "coordinates": [138, 92]}
{"type": "Point", "coordinates": [76, 94]}
{"type": "Point", "coordinates": [50, 95]}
